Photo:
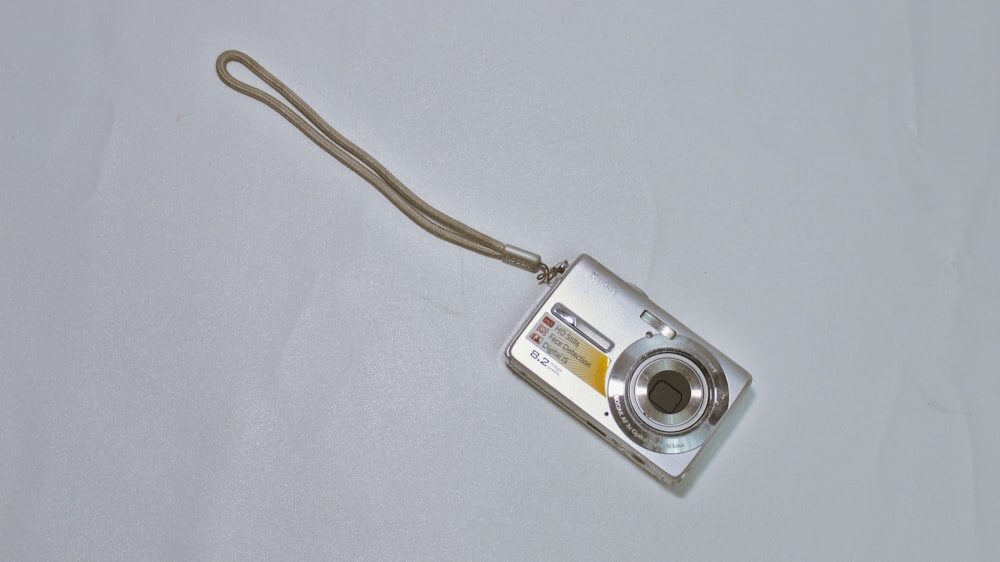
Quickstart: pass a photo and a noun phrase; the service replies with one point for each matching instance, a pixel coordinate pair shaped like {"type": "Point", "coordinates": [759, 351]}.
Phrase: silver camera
{"type": "Point", "coordinates": [602, 350]}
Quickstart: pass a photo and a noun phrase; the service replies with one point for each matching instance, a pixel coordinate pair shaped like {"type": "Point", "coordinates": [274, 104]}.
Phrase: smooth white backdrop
{"type": "Point", "coordinates": [217, 343]}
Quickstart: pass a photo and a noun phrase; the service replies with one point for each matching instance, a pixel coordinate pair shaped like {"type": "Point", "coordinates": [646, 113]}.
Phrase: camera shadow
{"type": "Point", "coordinates": [732, 421]}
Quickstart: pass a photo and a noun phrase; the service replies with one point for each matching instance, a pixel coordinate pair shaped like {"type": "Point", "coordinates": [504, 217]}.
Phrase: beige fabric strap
{"type": "Point", "coordinates": [364, 165]}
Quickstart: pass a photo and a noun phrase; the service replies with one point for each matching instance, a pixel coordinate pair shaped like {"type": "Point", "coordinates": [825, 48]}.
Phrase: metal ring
{"type": "Point", "coordinates": [644, 424]}
{"type": "Point", "coordinates": [687, 415]}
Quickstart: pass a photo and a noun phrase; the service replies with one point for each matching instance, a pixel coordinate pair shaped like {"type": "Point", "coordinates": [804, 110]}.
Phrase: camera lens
{"type": "Point", "coordinates": [667, 394]}
{"type": "Point", "coordinates": [669, 391]}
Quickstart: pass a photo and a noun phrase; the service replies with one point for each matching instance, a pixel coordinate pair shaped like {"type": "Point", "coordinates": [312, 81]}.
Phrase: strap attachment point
{"type": "Point", "coordinates": [548, 274]}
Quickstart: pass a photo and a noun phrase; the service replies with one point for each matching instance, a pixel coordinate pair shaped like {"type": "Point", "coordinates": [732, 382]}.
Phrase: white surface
{"type": "Point", "coordinates": [216, 343]}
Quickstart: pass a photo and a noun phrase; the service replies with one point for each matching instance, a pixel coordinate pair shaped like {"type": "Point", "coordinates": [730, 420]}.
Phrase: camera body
{"type": "Point", "coordinates": [602, 350]}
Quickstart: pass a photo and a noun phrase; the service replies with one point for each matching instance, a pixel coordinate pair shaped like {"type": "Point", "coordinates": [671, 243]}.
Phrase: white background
{"type": "Point", "coordinates": [217, 343]}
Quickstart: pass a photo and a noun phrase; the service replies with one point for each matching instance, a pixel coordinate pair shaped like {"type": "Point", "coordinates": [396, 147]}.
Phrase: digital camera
{"type": "Point", "coordinates": [602, 350]}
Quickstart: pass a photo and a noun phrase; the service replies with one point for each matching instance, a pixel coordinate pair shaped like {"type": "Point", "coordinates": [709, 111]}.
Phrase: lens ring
{"type": "Point", "coordinates": [638, 417]}
{"type": "Point", "coordinates": [641, 383]}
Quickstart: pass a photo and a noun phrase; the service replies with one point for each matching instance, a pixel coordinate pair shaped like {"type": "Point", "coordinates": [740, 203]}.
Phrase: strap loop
{"type": "Point", "coordinates": [371, 170]}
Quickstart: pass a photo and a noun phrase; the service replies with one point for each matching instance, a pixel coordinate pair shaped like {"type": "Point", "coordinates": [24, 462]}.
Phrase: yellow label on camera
{"type": "Point", "coordinates": [569, 348]}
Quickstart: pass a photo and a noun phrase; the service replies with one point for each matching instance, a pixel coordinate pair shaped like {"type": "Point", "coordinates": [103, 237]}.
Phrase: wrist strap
{"type": "Point", "coordinates": [364, 165]}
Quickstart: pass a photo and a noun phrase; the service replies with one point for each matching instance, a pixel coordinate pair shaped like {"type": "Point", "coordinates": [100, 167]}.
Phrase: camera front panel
{"type": "Point", "coordinates": [603, 351]}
